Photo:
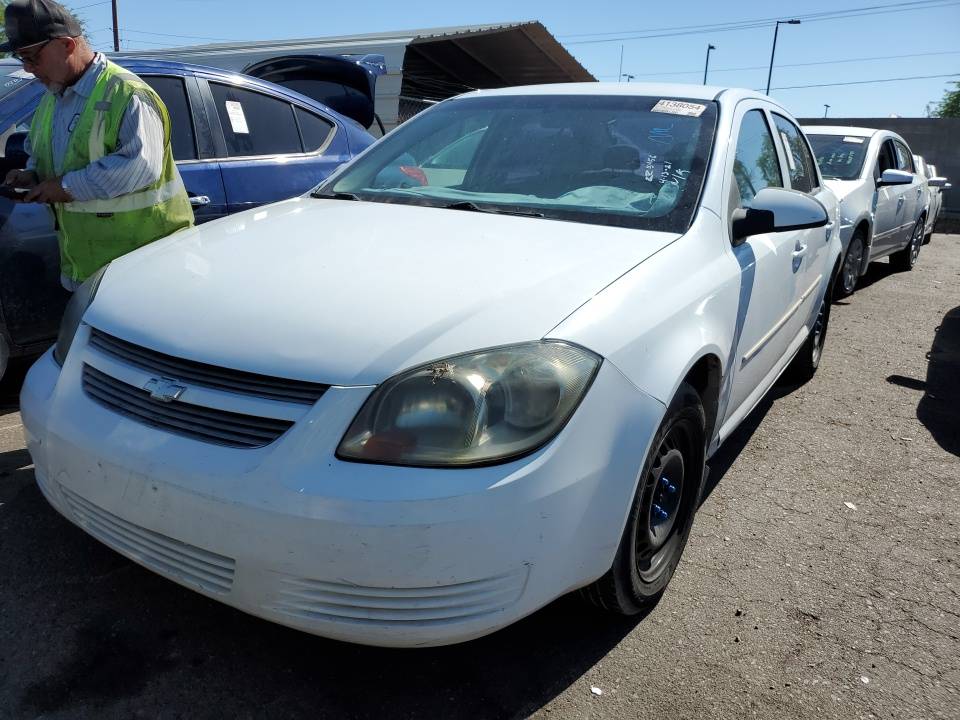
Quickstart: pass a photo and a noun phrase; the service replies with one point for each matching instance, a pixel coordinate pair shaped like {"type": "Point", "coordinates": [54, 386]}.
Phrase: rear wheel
{"type": "Point", "coordinates": [852, 262]}
{"type": "Point", "coordinates": [662, 511]}
{"type": "Point", "coordinates": [805, 363]}
{"type": "Point", "coordinates": [905, 259]}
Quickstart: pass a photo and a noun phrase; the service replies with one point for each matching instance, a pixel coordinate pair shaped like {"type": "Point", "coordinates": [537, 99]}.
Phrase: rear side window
{"type": "Point", "coordinates": [255, 124]}
{"type": "Point", "coordinates": [314, 129]}
{"type": "Point", "coordinates": [174, 96]}
{"type": "Point", "coordinates": [755, 164]}
{"type": "Point", "coordinates": [803, 173]}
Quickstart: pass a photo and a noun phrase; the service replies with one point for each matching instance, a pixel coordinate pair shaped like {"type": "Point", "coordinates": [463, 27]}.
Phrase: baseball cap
{"type": "Point", "coordinates": [29, 22]}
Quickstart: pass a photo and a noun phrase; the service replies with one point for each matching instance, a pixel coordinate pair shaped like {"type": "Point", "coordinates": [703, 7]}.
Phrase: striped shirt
{"type": "Point", "coordinates": [138, 159]}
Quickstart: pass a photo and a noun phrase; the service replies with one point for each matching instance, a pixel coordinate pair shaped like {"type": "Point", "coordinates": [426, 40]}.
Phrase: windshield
{"type": "Point", "coordinates": [840, 157]}
{"type": "Point", "coordinates": [605, 159]}
{"type": "Point", "coordinates": [12, 78]}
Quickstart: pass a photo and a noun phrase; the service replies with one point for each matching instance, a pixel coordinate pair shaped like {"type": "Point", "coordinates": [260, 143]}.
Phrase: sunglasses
{"type": "Point", "coordinates": [34, 56]}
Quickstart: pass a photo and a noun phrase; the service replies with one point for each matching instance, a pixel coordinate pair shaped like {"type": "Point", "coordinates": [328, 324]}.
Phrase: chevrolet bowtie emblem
{"type": "Point", "coordinates": [164, 389]}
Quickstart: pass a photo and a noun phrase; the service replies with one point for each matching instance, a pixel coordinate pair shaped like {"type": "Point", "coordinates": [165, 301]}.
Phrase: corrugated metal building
{"type": "Point", "coordinates": [422, 65]}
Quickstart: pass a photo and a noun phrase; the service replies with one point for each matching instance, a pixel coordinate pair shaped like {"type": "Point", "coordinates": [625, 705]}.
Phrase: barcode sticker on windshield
{"type": "Point", "coordinates": [850, 138]}
{"type": "Point", "coordinates": [677, 107]}
{"type": "Point", "coordinates": [238, 121]}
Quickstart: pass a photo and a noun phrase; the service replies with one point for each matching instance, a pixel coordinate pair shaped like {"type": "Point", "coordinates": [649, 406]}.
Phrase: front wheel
{"type": "Point", "coordinates": [850, 272]}
{"type": "Point", "coordinates": [905, 259]}
{"type": "Point", "coordinates": [661, 515]}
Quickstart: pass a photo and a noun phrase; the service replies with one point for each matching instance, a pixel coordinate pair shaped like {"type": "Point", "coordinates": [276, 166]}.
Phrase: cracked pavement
{"type": "Point", "coordinates": [821, 579]}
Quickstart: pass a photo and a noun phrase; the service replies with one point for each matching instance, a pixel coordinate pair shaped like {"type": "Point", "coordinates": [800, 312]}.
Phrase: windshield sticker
{"type": "Point", "coordinates": [21, 74]}
{"type": "Point", "coordinates": [852, 139]}
{"type": "Point", "coordinates": [677, 107]}
{"type": "Point", "coordinates": [238, 121]}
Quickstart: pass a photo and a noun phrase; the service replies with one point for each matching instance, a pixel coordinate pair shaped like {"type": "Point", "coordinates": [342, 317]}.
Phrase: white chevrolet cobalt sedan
{"type": "Point", "coordinates": [478, 368]}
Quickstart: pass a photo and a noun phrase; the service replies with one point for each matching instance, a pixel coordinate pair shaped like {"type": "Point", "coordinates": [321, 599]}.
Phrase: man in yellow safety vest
{"type": "Point", "coordinates": [99, 145]}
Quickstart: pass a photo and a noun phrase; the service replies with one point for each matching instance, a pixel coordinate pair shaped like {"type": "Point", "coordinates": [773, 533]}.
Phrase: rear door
{"type": "Point", "coordinates": [193, 145]}
{"type": "Point", "coordinates": [913, 200]}
{"type": "Point", "coordinates": [271, 148]}
{"type": "Point", "coordinates": [810, 255]}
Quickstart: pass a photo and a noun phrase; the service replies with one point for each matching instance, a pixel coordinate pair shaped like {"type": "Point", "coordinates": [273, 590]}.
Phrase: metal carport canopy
{"type": "Point", "coordinates": [427, 64]}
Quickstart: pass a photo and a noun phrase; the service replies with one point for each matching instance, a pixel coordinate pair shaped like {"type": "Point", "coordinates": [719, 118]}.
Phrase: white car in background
{"type": "Point", "coordinates": [882, 197]}
{"type": "Point", "coordinates": [935, 186]}
{"type": "Point", "coordinates": [417, 406]}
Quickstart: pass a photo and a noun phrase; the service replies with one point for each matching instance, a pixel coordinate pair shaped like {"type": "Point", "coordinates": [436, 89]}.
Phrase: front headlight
{"type": "Point", "coordinates": [472, 409]}
{"type": "Point", "coordinates": [73, 314]}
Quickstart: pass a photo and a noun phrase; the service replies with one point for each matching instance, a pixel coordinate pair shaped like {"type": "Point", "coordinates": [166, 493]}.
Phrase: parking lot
{"type": "Point", "coordinates": [821, 579]}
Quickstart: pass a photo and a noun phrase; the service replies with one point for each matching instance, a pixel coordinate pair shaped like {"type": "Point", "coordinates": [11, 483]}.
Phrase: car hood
{"type": "Point", "coordinates": [349, 293]}
{"type": "Point", "coordinates": [842, 188]}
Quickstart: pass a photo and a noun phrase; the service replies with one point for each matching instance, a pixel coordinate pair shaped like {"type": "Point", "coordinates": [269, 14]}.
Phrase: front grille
{"type": "Point", "coordinates": [186, 563]}
{"type": "Point", "coordinates": [434, 605]}
{"type": "Point", "coordinates": [212, 376]}
{"type": "Point", "coordinates": [194, 421]}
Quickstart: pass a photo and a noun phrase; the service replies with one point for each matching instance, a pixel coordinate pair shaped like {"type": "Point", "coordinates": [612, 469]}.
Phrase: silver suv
{"type": "Point", "coordinates": [883, 201]}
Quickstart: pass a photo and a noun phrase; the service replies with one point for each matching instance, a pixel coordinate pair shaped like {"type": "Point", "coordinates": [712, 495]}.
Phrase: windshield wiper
{"type": "Point", "coordinates": [473, 207]}
{"type": "Point", "coordinates": [334, 196]}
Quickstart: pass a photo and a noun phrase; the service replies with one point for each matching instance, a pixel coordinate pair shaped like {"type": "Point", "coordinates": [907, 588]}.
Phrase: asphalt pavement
{"type": "Point", "coordinates": [821, 579]}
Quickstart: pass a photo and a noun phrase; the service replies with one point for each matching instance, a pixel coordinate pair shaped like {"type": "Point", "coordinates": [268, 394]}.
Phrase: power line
{"type": "Point", "coordinates": [863, 82]}
{"type": "Point", "coordinates": [765, 22]}
{"type": "Point", "coordinates": [188, 37]}
{"type": "Point", "coordinates": [754, 20]}
{"type": "Point", "coordinates": [806, 64]}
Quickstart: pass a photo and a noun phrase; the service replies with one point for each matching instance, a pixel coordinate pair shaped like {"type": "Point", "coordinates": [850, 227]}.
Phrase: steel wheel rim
{"type": "Point", "coordinates": [665, 515]}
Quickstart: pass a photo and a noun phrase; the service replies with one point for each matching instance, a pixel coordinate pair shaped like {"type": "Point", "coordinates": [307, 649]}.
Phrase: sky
{"type": "Point", "coordinates": [883, 40]}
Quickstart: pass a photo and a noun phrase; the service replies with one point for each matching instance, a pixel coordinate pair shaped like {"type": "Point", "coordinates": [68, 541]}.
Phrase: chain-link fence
{"type": "Point", "coordinates": [410, 106]}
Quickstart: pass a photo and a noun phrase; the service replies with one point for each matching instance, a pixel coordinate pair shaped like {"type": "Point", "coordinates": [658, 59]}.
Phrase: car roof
{"type": "Point", "coordinates": [839, 130]}
{"type": "Point", "coordinates": [146, 65]}
{"type": "Point", "coordinates": [668, 90]}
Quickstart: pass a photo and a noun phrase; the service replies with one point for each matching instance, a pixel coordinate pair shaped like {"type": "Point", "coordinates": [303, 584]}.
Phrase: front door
{"type": "Point", "coordinates": [768, 264]}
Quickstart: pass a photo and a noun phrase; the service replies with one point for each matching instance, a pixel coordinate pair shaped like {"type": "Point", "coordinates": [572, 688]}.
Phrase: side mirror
{"type": "Point", "coordinates": [937, 182]}
{"type": "Point", "coordinates": [777, 210]}
{"type": "Point", "coordinates": [895, 177]}
{"type": "Point", "coordinates": [14, 151]}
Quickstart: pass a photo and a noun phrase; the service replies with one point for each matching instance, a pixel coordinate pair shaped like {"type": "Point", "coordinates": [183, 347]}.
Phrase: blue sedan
{"type": "Point", "coordinates": [239, 142]}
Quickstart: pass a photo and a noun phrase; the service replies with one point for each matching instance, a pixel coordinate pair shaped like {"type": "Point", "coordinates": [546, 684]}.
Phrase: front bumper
{"type": "Point", "coordinates": [364, 553]}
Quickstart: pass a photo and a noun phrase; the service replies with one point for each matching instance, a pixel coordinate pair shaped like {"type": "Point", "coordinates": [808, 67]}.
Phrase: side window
{"type": "Point", "coordinates": [887, 158]}
{"type": "Point", "coordinates": [254, 123]}
{"type": "Point", "coordinates": [174, 96]}
{"type": "Point", "coordinates": [755, 164]}
{"type": "Point", "coordinates": [904, 158]}
{"type": "Point", "coordinates": [314, 130]}
{"type": "Point", "coordinates": [803, 173]}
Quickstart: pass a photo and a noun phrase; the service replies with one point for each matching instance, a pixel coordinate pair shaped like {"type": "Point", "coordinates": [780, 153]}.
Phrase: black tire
{"type": "Point", "coordinates": [805, 363]}
{"type": "Point", "coordinates": [904, 260]}
{"type": "Point", "coordinates": [927, 238]}
{"type": "Point", "coordinates": [660, 519]}
{"type": "Point", "coordinates": [852, 262]}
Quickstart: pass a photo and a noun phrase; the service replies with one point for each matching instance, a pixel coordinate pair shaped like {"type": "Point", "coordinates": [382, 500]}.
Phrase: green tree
{"type": "Point", "coordinates": [950, 105]}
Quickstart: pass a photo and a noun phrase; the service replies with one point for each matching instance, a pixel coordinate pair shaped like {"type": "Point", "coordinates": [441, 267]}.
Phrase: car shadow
{"type": "Point", "coordinates": [10, 386]}
{"type": "Point", "coordinates": [876, 271]}
{"type": "Point", "coordinates": [938, 408]}
{"type": "Point", "coordinates": [117, 639]}
{"type": "Point", "coordinates": [727, 454]}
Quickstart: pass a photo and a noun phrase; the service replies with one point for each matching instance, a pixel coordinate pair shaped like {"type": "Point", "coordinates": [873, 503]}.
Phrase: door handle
{"type": "Point", "coordinates": [800, 250]}
{"type": "Point", "coordinates": [198, 200]}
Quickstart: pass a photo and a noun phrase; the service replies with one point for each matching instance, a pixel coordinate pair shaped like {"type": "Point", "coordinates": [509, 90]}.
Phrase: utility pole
{"type": "Point", "coordinates": [620, 71]}
{"type": "Point", "coordinates": [706, 65]}
{"type": "Point", "coordinates": [825, 109]}
{"type": "Point", "coordinates": [628, 76]}
{"type": "Point", "coordinates": [116, 29]}
{"type": "Point", "coordinates": [774, 50]}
